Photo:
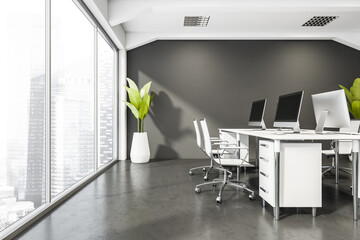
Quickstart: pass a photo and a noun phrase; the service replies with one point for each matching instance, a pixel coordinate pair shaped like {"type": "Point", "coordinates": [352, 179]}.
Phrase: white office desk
{"type": "Point", "coordinates": [305, 135]}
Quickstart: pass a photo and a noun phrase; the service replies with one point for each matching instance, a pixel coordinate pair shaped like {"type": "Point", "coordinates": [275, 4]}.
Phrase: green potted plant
{"type": "Point", "coordinates": [139, 105]}
{"type": "Point", "coordinates": [353, 97]}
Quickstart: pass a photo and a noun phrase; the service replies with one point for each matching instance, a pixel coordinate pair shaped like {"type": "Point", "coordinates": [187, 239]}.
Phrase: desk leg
{"type": "Point", "coordinates": [336, 162]}
{"type": "Point", "coordinates": [314, 211]}
{"type": "Point", "coordinates": [355, 174]}
{"type": "Point", "coordinates": [277, 180]}
{"type": "Point", "coordinates": [257, 151]}
{"type": "Point", "coordinates": [238, 142]}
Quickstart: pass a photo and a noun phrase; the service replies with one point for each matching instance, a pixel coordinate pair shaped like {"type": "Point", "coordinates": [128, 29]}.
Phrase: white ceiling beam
{"type": "Point", "coordinates": [350, 40]}
{"type": "Point", "coordinates": [99, 9]}
{"type": "Point", "coordinates": [121, 11]}
{"type": "Point", "coordinates": [134, 40]}
{"type": "Point", "coordinates": [122, 17]}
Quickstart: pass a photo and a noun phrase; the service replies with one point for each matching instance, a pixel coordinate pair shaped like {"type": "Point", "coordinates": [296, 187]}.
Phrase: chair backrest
{"type": "Point", "coordinates": [206, 137]}
{"type": "Point", "coordinates": [345, 147]}
{"type": "Point", "coordinates": [198, 134]}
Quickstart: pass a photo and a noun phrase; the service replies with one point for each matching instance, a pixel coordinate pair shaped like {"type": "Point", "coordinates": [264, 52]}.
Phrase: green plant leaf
{"type": "Point", "coordinates": [144, 108]}
{"type": "Point", "coordinates": [133, 109]}
{"type": "Point", "coordinates": [145, 89]}
{"type": "Point", "coordinates": [146, 99]}
{"type": "Point", "coordinates": [134, 97]}
{"type": "Point", "coordinates": [132, 84]}
{"type": "Point", "coordinates": [349, 107]}
{"type": "Point", "coordinates": [355, 89]}
{"type": "Point", "coordinates": [152, 97]}
{"type": "Point", "coordinates": [348, 94]}
{"type": "Point", "coordinates": [356, 109]}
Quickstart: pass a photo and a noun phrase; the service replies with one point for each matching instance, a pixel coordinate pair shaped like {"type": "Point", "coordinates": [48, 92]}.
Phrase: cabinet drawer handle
{"type": "Point", "coordinates": [264, 159]}
{"type": "Point", "coordinates": [264, 174]}
{"type": "Point", "coordinates": [264, 145]}
{"type": "Point", "coordinates": [262, 189]}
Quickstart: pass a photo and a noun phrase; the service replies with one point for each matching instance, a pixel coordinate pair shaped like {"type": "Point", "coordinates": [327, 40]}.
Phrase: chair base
{"type": "Point", "coordinates": [328, 169]}
{"type": "Point", "coordinates": [224, 182]}
{"type": "Point", "coordinates": [206, 177]}
{"type": "Point", "coordinates": [346, 170]}
{"type": "Point", "coordinates": [191, 171]}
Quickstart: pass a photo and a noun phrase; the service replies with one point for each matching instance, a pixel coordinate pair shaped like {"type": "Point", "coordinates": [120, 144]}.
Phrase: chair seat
{"type": "Point", "coordinates": [330, 152]}
{"type": "Point", "coordinates": [232, 162]}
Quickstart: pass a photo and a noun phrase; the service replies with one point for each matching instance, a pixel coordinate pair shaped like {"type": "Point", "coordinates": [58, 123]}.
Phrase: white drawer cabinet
{"type": "Point", "coordinates": [300, 174]}
{"type": "Point", "coordinates": [266, 149]}
{"type": "Point", "coordinates": [267, 171]}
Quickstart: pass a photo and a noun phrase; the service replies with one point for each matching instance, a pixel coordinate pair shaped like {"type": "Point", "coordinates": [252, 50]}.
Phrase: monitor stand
{"type": "Point", "coordinates": [263, 127]}
{"type": "Point", "coordinates": [297, 128]}
{"type": "Point", "coordinates": [321, 123]}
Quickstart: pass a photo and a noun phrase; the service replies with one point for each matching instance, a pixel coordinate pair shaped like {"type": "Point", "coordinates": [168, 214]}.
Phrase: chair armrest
{"type": "Point", "coordinates": [218, 140]}
{"type": "Point", "coordinates": [222, 150]}
{"type": "Point", "coordinates": [223, 143]}
{"type": "Point", "coordinates": [234, 148]}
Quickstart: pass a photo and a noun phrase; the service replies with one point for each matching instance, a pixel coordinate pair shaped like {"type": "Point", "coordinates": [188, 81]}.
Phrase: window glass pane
{"type": "Point", "coordinates": [22, 107]}
{"type": "Point", "coordinates": [106, 70]}
{"type": "Point", "coordinates": [72, 100]}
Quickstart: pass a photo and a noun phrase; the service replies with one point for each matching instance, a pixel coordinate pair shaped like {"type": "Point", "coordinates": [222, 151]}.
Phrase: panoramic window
{"type": "Point", "coordinates": [72, 96]}
{"type": "Point", "coordinates": [22, 107]}
{"type": "Point", "coordinates": [76, 92]}
{"type": "Point", "coordinates": [106, 76]}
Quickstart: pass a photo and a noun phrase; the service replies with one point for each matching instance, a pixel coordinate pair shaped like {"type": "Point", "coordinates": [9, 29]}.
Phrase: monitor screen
{"type": "Point", "coordinates": [257, 111]}
{"type": "Point", "coordinates": [288, 107]}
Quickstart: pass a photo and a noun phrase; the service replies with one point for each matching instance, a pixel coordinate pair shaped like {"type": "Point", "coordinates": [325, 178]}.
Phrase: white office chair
{"type": "Point", "coordinates": [223, 162]}
{"type": "Point", "coordinates": [200, 145]}
{"type": "Point", "coordinates": [345, 148]}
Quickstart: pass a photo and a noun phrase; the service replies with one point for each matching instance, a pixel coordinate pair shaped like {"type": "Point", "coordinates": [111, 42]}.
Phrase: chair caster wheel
{"type": "Point", "coordinates": [214, 185]}
{"type": "Point", "coordinates": [191, 173]}
{"type": "Point", "coordinates": [197, 190]}
{"type": "Point", "coordinates": [206, 178]}
{"type": "Point", "coordinates": [204, 169]}
{"type": "Point", "coordinates": [252, 196]}
{"type": "Point", "coordinates": [218, 200]}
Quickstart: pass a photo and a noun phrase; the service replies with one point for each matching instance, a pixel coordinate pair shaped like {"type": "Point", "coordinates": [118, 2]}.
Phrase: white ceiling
{"type": "Point", "coordinates": [144, 21]}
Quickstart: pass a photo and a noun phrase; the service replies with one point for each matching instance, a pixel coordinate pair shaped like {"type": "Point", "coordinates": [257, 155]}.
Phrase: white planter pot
{"type": "Point", "coordinates": [140, 151]}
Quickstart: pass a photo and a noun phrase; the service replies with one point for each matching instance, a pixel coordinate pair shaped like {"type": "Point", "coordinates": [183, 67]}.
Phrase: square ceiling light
{"type": "Point", "coordinates": [319, 21]}
{"type": "Point", "coordinates": [196, 21]}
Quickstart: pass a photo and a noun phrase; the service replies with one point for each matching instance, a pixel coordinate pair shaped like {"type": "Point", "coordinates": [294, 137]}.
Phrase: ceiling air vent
{"type": "Point", "coordinates": [319, 21]}
{"type": "Point", "coordinates": [196, 21]}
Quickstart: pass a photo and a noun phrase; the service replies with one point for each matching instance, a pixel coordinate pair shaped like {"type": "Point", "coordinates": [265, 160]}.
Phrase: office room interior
{"type": "Point", "coordinates": [181, 119]}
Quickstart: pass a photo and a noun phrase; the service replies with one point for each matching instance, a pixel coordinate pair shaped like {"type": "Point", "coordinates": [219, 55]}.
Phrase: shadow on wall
{"type": "Point", "coordinates": [166, 118]}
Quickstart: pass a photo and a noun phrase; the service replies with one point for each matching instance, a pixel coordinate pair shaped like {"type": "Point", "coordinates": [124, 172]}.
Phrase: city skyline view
{"type": "Point", "coordinates": [23, 103]}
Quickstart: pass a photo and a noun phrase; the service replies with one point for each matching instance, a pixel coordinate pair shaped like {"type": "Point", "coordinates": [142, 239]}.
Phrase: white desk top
{"type": "Point", "coordinates": [289, 135]}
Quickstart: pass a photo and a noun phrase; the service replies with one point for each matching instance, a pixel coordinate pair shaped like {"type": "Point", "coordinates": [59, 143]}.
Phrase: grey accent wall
{"type": "Point", "coordinates": [219, 80]}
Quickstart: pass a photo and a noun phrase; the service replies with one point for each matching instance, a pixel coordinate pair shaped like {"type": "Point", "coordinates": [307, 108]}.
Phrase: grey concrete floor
{"type": "Point", "coordinates": [157, 201]}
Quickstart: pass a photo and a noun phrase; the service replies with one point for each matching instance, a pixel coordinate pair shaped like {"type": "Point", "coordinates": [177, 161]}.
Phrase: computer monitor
{"type": "Point", "coordinates": [257, 114]}
{"type": "Point", "coordinates": [288, 111]}
{"type": "Point", "coordinates": [330, 110]}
